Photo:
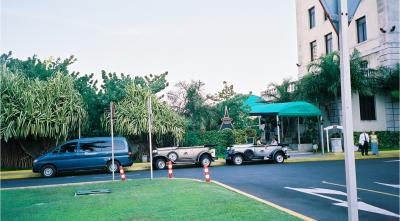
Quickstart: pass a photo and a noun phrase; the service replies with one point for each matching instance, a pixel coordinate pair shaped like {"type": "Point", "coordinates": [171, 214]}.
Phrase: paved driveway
{"type": "Point", "coordinates": [315, 189]}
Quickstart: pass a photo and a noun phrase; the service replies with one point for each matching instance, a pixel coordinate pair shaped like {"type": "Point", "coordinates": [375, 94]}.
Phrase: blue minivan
{"type": "Point", "coordinates": [84, 154]}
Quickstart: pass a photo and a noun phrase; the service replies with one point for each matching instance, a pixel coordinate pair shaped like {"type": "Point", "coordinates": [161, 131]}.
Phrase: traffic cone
{"type": "Point", "coordinates": [170, 176]}
{"type": "Point", "coordinates": [207, 174]}
{"type": "Point", "coordinates": [122, 173]}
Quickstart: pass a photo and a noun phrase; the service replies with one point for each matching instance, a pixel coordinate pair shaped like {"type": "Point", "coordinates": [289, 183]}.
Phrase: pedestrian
{"type": "Point", "coordinates": [363, 142]}
{"type": "Point", "coordinates": [374, 143]}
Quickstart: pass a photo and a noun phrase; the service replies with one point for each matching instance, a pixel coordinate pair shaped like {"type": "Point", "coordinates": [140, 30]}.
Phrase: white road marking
{"type": "Point", "coordinates": [391, 185]}
{"type": "Point", "coordinates": [338, 202]}
{"type": "Point", "coordinates": [390, 161]}
{"type": "Point", "coordinates": [373, 191]}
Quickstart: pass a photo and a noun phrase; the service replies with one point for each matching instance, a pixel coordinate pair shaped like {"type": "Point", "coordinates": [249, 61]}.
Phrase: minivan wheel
{"type": "Point", "coordinates": [278, 158]}
{"type": "Point", "coordinates": [48, 171]}
{"type": "Point", "coordinates": [111, 167]}
{"type": "Point", "coordinates": [160, 164]}
{"type": "Point", "coordinates": [237, 159]}
{"type": "Point", "coordinates": [205, 160]}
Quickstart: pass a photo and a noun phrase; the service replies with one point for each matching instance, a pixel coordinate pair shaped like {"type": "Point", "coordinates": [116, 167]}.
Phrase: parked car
{"type": "Point", "coordinates": [200, 155]}
{"type": "Point", "coordinates": [84, 154]}
{"type": "Point", "coordinates": [249, 152]}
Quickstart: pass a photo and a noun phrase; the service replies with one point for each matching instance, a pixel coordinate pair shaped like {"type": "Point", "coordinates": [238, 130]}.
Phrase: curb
{"type": "Point", "coordinates": [283, 209]}
{"type": "Point", "coordinates": [9, 175]}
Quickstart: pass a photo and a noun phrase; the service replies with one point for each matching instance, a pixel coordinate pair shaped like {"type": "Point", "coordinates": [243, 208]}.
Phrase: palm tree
{"type": "Point", "coordinates": [279, 92]}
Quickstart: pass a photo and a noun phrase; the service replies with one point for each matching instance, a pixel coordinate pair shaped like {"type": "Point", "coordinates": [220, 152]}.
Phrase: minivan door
{"type": "Point", "coordinates": [88, 156]}
{"type": "Point", "coordinates": [66, 158]}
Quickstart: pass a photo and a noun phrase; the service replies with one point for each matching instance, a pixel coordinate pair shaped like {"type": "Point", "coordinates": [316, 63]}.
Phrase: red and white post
{"type": "Point", "coordinates": [122, 173]}
{"type": "Point", "coordinates": [170, 175]}
{"type": "Point", "coordinates": [207, 174]}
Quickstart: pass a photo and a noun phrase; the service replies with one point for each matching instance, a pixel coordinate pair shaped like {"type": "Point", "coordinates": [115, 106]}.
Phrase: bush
{"type": "Point", "coordinates": [221, 139]}
{"type": "Point", "coordinates": [386, 139]}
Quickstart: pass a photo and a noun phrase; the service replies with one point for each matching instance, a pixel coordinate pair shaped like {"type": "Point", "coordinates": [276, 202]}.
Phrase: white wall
{"type": "Point", "coordinates": [369, 125]}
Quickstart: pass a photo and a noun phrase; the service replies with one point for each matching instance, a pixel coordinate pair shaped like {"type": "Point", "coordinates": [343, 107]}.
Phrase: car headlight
{"type": "Point", "coordinates": [284, 149]}
{"type": "Point", "coordinates": [155, 151]}
{"type": "Point", "coordinates": [34, 161]}
{"type": "Point", "coordinates": [228, 148]}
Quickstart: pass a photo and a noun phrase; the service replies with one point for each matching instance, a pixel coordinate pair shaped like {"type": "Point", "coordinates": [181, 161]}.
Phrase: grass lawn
{"type": "Point", "coordinates": [160, 199]}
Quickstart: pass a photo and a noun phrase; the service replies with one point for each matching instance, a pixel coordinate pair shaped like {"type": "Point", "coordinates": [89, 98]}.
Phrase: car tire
{"type": "Point", "coordinates": [160, 164]}
{"type": "Point", "coordinates": [205, 160]}
{"type": "Point", "coordinates": [110, 167]}
{"type": "Point", "coordinates": [173, 156]}
{"type": "Point", "coordinates": [48, 171]}
{"type": "Point", "coordinates": [249, 154]}
{"type": "Point", "coordinates": [279, 158]}
{"type": "Point", "coordinates": [237, 159]}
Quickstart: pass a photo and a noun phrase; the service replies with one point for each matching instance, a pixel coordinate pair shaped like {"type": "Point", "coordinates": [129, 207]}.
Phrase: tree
{"type": "Point", "coordinates": [279, 92]}
{"type": "Point", "coordinates": [131, 117]}
{"type": "Point", "coordinates": [226, 93]}
{"type": "Point", "coordinates": [189, 100]}
{"type": "Point", "coordinates": [33, 109]}
{"type": "Point", "coordinates": [390, 80]}
{"type": "Point", "coordinates": [322, 84]}
{"type": "Point", "coordinates": [33, 67]}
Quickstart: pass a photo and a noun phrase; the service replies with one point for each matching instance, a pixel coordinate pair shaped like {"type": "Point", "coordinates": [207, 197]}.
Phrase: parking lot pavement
{"type": "Point", "coordinates": [295, 157]}
{"type": "Point", "coordinates": [315, 189]}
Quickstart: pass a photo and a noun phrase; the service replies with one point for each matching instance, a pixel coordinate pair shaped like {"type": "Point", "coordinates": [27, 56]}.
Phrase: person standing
{"type": "Point", "coordinates": [374, 143]}
{"type": "Point", "coordinates": [363, 141]}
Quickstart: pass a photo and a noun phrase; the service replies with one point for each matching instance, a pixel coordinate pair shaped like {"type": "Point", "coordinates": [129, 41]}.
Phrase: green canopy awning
{"type": "Point", "coordinates": [258, 106]}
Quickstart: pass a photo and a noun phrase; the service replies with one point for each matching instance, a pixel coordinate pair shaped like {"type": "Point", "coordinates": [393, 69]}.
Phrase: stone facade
{"type": "Point", "coordinates": [381, 48]}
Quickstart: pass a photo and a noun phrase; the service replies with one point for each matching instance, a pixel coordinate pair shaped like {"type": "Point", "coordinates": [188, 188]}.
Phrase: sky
{"type": "Point", "coordinates": [247, 43]}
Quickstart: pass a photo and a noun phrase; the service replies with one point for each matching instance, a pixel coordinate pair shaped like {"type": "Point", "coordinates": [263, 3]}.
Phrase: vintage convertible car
{"type": "Point", "coordinates": [200, 155]}
{"type": "Point", "coordinates": [249, 152]}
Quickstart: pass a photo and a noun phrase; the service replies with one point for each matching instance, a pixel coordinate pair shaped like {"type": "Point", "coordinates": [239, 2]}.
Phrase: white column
{"type": "Point", "coordinates": [347, 113]}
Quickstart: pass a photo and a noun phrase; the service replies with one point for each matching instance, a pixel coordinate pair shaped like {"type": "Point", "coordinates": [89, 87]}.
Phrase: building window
{"type": "Point", "coordinates": [328, 43]}
{"type": "Point", "coordinates": [313, 50]}
{"type": "Point", "coordinates": [311, 17]}
{"type": "Point", "coordinates": [367, 107]}
{"type": "Point", "coordinates": [361, 29]}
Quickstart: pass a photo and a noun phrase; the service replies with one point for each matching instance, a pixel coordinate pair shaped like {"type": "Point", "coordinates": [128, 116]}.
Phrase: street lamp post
{"type": "Point", "coordinates": [347, 113]}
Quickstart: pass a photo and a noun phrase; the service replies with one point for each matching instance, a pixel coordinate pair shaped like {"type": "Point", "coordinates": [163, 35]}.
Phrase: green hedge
{"type": "Point", "coordinates": [386, 139]}
{"type": "Point", "coordinates": [221, 139]}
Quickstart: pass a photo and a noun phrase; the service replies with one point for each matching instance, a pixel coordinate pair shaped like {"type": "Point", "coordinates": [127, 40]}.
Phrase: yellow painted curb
{"type": "Point", "coordinates": [283, 209]}
{"type": "Point", "coordinates": [342, 158]}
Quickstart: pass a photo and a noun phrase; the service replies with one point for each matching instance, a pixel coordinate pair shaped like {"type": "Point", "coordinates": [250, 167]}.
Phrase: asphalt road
{"type": "Point", "coordinates": [314, 189]}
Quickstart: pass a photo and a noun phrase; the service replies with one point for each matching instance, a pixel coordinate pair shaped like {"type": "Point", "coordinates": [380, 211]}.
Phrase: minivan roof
{"type": "Point", "coordinates": [89, 139]}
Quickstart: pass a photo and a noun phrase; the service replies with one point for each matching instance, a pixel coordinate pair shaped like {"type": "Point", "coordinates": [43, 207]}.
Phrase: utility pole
{"type": "Point", "coordinates": [150, 121]}
{"type": "Point", "coordinates": [347, 113]}
{"type": "Point", "coordinates": [112, 109]}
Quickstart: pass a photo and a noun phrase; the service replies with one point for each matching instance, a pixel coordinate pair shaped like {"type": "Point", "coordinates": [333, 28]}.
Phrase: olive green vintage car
{"type": "Point", "coordinates": [199, 155]}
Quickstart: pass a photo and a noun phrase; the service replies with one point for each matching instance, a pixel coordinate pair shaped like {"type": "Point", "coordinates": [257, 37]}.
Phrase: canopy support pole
{"type": "Point", "coordinates": [321, 133]}
{"type": "Point", "coordinates": [277, 129]}
{"type": "Point", "coordinates": [298, 129]}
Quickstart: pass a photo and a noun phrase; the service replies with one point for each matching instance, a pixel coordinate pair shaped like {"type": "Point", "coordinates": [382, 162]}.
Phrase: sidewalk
{"type": "Point", "coordinates": [294, 158]}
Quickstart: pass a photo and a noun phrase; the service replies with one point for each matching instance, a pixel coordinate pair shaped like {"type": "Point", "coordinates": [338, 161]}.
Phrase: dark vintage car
{"type": "Point", "coordinates": [200, 155]}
